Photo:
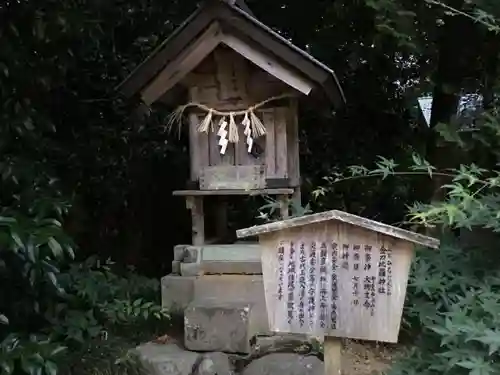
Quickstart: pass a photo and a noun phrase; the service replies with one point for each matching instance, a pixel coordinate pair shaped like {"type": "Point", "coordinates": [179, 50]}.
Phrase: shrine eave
{"type": "Point", "coordinates": [233, 21]}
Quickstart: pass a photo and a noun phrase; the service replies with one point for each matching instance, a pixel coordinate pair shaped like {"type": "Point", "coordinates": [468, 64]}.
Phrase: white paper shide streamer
{"type": "Point", "coordinates": [227, 132]}
{"type": "Point", "coordinates": [222, 133]}
{"type": "Point", "coordinates": [248, 132]}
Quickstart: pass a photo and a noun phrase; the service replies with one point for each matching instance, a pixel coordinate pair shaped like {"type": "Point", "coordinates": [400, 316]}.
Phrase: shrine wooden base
{"type": "Point", "coordinates": [195, 203]}
{"type": "Point", "coordinates": [332, 355]}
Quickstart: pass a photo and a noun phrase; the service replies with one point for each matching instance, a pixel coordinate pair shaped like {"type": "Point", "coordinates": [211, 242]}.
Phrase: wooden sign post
{"type": "Point", "coordinates": [336, 275]}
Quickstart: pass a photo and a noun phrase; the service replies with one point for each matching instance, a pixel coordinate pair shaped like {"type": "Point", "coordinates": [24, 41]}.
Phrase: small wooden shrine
{"type": "Point", "coordinates": [238, 82]}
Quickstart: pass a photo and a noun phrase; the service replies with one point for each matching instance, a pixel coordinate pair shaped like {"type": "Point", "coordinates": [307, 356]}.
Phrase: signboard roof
{"type": "Point", "coordinates": [344, 217]}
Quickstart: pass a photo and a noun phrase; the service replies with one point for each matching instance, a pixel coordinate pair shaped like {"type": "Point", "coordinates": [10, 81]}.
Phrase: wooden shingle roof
{"type": "Point", "coordinates": [230, 22]}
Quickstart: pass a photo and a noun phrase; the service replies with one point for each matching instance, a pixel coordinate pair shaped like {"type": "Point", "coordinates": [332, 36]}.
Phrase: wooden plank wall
{"type": "Point", "coordinates": [293, 144]}
{"type": "Point", "coordinates": [280, 136]}
{"type": "Point", "coordinates": [227, 81]}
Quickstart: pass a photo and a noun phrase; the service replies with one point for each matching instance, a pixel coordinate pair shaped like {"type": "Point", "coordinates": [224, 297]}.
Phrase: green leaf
{"type": "Point", "coordinates": [477, 366]}
{"type": "Point", "coordinates": [29, 366]}
{"type": "Point", "coordinates": [50, 368]}
{"type": "Point", "coordinates": [17, 240]}
{"type": "Point", "coordinates": [3, 319]}
{"type": "Point", "coordinates": [30, 250]}
{"type": "Point", "coordinates": [53, 280]}
{"type": "Point", "coordinates": [5, 69]}
{"type": "Point", "coordinates": [53, 222]}
{"type": "Point", "coordinates": [70, 251]}
{"type": "Point", "coordinates": [57, 351]}
{"type": "Point", "coordinates": [7, 366]}
{"type": "Point", "coordinates": [56, 247]}
{"type": "Point", "coordinates": [491, 338]}
{"type": "Point", "coordinates": [7, 220]}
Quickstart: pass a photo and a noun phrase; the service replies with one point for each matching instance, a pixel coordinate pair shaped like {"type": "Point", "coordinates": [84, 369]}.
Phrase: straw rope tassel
{"type": "Point", "coordinates": [206, 125]}
{"type": "Point", "coordinates": [233, 130]}
{"type": "Point", "coordinates": [207, 121]}
{"type": "Point", "coordinates": [222, 133]}
{"type": "Point", "coordinates": [248, 132]}
{"type": "Point", "coordinates": [258, 128]}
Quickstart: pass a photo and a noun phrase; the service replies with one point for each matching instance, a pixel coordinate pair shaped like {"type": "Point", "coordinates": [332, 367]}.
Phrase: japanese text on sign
{"type": "Point", "coordinates": [309, 274]}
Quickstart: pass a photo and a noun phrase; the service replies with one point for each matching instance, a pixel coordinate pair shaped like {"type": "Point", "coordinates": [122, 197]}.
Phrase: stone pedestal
{"type": "Point", "coordinates": [220, 290]}
{"type": "Point", "coordinates": [217, 326]}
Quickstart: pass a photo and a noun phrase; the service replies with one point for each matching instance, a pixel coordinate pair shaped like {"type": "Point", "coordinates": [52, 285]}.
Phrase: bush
{"type": "Point", "coordinates": [453, 298]}
{"type": "Point", "coordinates": [51, 302]}
{"type": "Point", "coordinates": [453, 309]}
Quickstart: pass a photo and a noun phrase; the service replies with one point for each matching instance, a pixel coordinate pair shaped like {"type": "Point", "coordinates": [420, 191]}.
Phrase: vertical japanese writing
{"type": "Point", "coordinates": [291, 283]}
{"type": "Point", "coordinates": [302, 283]}
{"type": "Point", "coordinates": [345, 256]}
{"type": "Point", "coordinates": [369, 290]}
{"type": "Point", "coordinates": [334, 287]}
{"type": "Point", "coordinates": [368, 258]}
{"type": "Point", "coordinates": [382, 272]}
{"type": "Point", "coordinates": [356, 249]}
{"type": "Point", "coordinates": [323, 280]}
{"type": "Point", "coordinates": [372, 295]}
{"type": "Point", "coordinates": [355, 280]}
{"type": "Point", "coordinates": [369, 282]}
{"type": "Point", "coordinates": [355, 290]}
{"type": "Point", "coordinates": [389, 272]}
{"type": "Point", "coordinates": [281, 265]}
{"type": "Point", "coordinates": [311, 291]}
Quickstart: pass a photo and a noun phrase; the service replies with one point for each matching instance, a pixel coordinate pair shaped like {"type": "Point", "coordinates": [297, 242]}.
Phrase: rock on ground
{"type": "Point", "coordinates": [215, 364]}
{"type": "Point", "coordinates": [285, 364]}
{"type": "Point", "coordinates": [170, 359]}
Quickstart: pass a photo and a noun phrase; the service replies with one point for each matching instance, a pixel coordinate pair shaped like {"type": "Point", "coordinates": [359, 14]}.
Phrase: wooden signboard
{"type": "Point", "coordinates": [337, 275]}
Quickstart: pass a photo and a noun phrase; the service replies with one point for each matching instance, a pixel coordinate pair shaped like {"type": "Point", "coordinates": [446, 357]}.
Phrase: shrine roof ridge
{"type": "Point", "coordinates": [344, 217]}
{"type": "Point", "coordinates": [231, 17]}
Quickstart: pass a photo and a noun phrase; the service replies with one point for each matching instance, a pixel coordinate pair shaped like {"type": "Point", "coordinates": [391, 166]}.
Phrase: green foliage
{"type": "Point", "coordinates": [270, 211]}
{"type": "Point", "coordinates": [453, 297]}
{"type": "Point", "coordinates": [33, 355]}
{"type": "Point", "coordinates": [65, 134]}
{"type": "Point", "coordinates": [96, 298]}
{"type": "Point", "coordinates": [68, 303]}
{"type": "Point", "coordinates": [452, 310]}
{"type": "Point", "coordinates": [93, 300]}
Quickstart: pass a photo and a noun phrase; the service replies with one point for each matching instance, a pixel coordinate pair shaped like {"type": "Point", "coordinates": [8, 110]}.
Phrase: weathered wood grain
{"type": "Point", "coordinates": [267, 63]}
{"type": "Point", "coordinates": [245, 177]}
{"type": "Point", "coordinates": [198, 147]}
{"type": "Point", "coordinates": [335, 279]}
{"type": "Point", "coordinates": [281, 135]}
{"type": "Point", "coordinates": [332, 353]}
{"type": "Point", "coordinates": [268, 121]}
{"type": "Point", "coordinates": [232, 74]}
{"type": "Point", "coordinates": [183, 64]}
{"type": "Point", "coordinates": [186, 193]}
{"type": "Point", "coordinates": [293, 143]}
{"type": "Point", "coordinates": [195, 204]}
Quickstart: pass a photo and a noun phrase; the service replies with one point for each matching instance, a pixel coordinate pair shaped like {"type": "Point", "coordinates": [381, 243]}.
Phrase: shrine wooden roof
{"type": "Point", "coordinates": [225, 22]}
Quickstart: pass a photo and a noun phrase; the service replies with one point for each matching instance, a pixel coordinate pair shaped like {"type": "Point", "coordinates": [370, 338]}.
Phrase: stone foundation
{"type": "Point", "coordinates": [287, 354]}
{"type": "Point", "coordinates": [209, 301]}
{"type": "Point", "coordinates": [219, 290]}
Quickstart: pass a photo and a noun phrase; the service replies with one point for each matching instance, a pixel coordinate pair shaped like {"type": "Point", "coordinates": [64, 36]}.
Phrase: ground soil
{"type": "Point", "coordinates": [367, 358]}
{"type": "Point", "coordinates": [358, 358]}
